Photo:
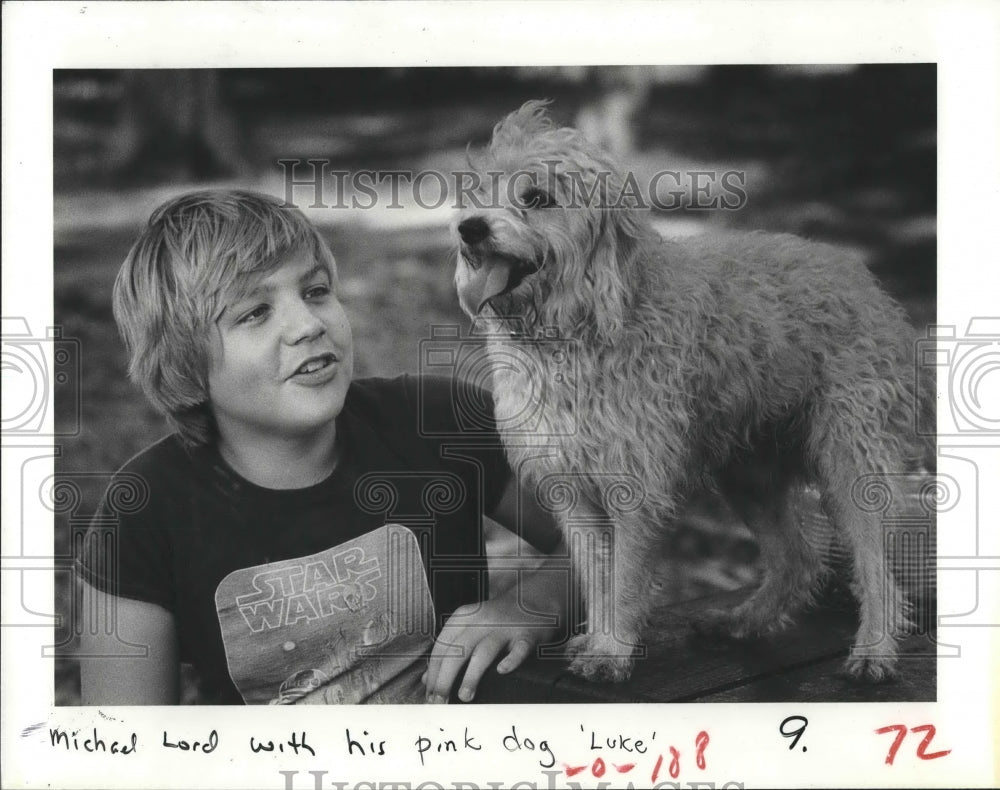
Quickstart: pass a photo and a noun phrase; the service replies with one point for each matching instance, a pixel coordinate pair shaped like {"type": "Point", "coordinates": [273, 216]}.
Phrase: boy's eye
{"type": "Point", "coordinates": [252, 316]}
{"type": "Point", "coordinates": [318, 291]}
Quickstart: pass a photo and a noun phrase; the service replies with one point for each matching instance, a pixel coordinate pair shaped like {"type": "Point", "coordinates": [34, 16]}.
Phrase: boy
{"type": "Point", "coordinates": [228, 307]}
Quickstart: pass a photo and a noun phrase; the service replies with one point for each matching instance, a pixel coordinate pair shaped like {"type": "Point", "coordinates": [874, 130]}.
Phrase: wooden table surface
{"type": "Point", "coordinates": [801, 665]}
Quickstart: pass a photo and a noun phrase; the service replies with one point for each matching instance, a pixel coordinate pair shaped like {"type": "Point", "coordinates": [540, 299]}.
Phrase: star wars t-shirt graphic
{"type": "Point", "coordinates": [352, 624]}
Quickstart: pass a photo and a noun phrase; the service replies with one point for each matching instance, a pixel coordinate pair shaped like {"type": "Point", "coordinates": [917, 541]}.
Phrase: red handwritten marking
{"type": "Point", "coordinates": [900, 730]}
{"type": "Point", "coordinates": [675, 764]}
{"type": "Point", "coordinates": [702, 743]}
{"type": "Point", "coordinates": [656, 768]}
{"type": "Point", "coordinates": [598, 768]}
{"type": "Point", "coordinates": [931, 730]}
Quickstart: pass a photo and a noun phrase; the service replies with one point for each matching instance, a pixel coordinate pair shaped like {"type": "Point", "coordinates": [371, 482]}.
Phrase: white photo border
{"type": "Point", "coordinates": [962, 38]}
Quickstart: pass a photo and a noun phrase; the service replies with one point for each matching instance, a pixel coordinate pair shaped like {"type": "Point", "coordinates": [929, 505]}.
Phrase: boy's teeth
{"type": "Point", "coordinates": [315, 364]}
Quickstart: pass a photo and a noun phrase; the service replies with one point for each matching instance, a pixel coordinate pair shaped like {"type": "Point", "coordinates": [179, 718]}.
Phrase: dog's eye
{"type": "Point", "coordinates": [537, 198]}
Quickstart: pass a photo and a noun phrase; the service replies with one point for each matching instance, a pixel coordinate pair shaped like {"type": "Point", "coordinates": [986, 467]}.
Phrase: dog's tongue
{"type": "Point", "coordinates": [496, 281]}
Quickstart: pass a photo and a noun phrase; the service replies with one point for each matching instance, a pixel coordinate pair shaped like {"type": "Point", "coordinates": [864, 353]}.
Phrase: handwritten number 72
{"type": "Point", "coordinates": [901, 730]}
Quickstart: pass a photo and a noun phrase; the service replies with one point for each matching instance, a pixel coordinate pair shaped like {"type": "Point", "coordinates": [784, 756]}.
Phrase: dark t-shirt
{"type": "Point", "coordinates": [408, 457]}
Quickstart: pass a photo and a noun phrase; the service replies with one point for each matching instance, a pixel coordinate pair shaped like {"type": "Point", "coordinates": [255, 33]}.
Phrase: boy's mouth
{"type": "Point", "coordinates": [314, 365]}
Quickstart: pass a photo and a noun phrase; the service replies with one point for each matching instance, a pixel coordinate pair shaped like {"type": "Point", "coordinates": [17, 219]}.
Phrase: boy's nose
{"type": "Point", "coordinates": [302, 324]}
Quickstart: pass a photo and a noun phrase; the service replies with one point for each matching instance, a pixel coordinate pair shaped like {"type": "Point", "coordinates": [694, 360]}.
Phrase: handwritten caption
{"type": "Point", "coordinates": [647, 755]}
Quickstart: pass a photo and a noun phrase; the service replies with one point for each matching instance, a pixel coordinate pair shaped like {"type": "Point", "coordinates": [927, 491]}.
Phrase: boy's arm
{"type": "Point", "coordinates": [152, 679]}
{"type": "Point", "coordinates": [518, 510]}
{"type": "Point", "coordinates": [516, 621]}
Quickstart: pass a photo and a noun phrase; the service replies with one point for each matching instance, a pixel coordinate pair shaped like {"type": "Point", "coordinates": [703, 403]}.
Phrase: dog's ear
{"type": "Point", "coordinates": [614, 270]}
{"type": "Point", "coordinates": [594, 275]}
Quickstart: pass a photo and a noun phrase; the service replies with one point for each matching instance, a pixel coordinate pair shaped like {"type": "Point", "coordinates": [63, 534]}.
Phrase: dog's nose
{"type": "Point", "coordinates": [473, 230]}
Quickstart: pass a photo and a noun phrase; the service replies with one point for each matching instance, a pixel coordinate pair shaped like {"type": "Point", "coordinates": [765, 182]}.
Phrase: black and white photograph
{"type": "Point", "coordinates": [685, 343]}
{"type": "Point", "coordinates": [506, 388]}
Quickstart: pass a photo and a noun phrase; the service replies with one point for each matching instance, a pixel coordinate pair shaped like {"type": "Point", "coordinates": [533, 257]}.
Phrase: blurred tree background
{"type": "Point", "coordinates": [846, 154]}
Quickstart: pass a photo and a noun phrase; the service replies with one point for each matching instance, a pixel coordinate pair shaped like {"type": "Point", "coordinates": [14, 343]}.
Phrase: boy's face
{"type": "Point", "coordinates": [281, 357]}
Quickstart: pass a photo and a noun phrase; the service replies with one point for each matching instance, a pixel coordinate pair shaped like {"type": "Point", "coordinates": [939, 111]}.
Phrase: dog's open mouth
{"type": "Point", "coordinates": [518, 271]}
{"type": "Point", "coordinates": [499, 276]}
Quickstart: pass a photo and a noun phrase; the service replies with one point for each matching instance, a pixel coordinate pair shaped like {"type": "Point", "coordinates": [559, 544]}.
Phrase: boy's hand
{"type": "Point", "coordinates": [474, 636]}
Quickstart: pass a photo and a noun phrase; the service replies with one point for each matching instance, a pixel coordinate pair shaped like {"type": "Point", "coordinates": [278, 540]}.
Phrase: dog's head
{"type": "Point", "coordinates": [549, 236]}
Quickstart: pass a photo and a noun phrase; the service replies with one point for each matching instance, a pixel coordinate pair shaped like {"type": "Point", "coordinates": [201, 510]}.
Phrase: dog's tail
{"type": "Point", "coordinates": [911, 427]}
{"type": "Point", "coordinates": [915, 417]}
{"type": "Point", "coordinates": [925, 418]}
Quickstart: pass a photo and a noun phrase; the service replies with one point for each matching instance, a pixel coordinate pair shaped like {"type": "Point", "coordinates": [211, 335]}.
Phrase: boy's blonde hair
{"type": "Point", "coordinates": [197, 250]}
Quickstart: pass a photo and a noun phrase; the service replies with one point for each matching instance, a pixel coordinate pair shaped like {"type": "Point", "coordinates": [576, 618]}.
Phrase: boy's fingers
{"type": "Point", "coordinates": [448, 649]}
{"type": "Point", "coordinates": [439, 688]}
{"type": "Point", "coordinates": [481, 659]}
{"type": "Point", "coordinates": [518, 652]}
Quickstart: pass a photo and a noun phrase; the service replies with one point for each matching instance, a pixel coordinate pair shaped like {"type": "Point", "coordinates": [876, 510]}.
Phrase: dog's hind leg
{"type": "Point", "coordinates": [850, 449]}
{"type": "Point", "coordinates": [792, 567]}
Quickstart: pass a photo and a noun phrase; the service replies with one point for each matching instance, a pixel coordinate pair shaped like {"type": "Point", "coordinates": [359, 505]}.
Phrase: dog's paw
{"type": "Point", "coordinates": [870, 669]}
{"type": "Point", "coordinates": [715, 624]}
{"type": "Point", "coordinates": [740, 624]}
{"type": "Point", "coordinates": [600, 659]}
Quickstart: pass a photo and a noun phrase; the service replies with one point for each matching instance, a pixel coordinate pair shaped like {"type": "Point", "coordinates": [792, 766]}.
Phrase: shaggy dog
{"type": "Point", "coordinates": [759, 361]}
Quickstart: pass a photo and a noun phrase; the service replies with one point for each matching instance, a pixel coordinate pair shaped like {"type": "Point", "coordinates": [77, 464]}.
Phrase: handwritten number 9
{"type": "Point", "coordinates": [796, 733]}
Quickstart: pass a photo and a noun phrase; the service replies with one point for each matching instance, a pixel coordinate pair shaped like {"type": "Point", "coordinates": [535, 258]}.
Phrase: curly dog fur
{"type": "Point", "coordinates": [758, 361]}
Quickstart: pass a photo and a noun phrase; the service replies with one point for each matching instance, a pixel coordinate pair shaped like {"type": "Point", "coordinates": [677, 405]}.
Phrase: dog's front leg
{"type": "Point", "coordinates": [615, 563]}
